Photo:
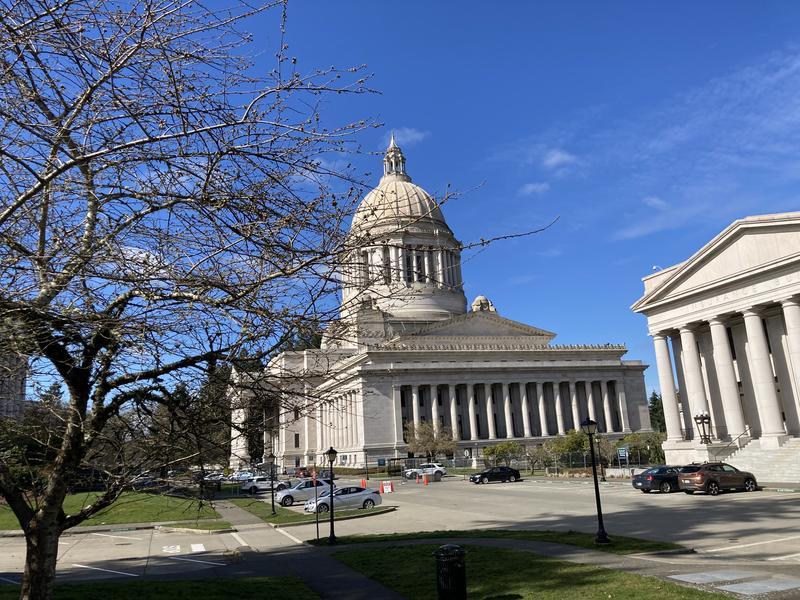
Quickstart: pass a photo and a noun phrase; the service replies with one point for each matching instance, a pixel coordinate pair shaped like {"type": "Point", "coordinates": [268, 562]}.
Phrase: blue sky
{"type": "Point", "coordinates": [645, 127]}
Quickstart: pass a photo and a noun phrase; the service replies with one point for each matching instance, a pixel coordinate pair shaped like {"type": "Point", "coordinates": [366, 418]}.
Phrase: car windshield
{"type": "Point", "coordinates": [690, 469]}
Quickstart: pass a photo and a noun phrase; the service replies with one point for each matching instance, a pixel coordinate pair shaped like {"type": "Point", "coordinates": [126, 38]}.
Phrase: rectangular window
{"type": "Point", "coordinates": [296, 440]}
{"type": "Point", "coordinates": [420, 268]}
{"type": "Point", "coordinates": [387, 266]}
{"type": "Point", "coordinates": [409, 268]}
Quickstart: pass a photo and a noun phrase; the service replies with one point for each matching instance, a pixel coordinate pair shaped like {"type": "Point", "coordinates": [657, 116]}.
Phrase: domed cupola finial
{"type": "Point", "coordinates": [394, 163]}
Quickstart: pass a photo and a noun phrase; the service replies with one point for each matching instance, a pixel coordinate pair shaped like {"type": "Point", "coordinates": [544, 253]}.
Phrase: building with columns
{"type": "Point", "coordinates": [726, 328]}
{"type": "Point", "coordinates": [407, 350]}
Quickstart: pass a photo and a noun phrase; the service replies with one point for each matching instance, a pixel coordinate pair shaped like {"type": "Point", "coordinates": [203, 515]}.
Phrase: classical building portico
{"type": "Point", "coordinates": [408, 350]}
{"type": "Point", "coordinates": [726, 327]}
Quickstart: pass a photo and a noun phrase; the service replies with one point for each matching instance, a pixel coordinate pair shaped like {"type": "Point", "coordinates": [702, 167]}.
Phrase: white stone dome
{"type": "Point", "coordinates": [396, 203]}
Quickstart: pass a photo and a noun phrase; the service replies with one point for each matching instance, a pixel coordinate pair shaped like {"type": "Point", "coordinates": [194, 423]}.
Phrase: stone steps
{"type": "Point", "coordinates": [769, 464]}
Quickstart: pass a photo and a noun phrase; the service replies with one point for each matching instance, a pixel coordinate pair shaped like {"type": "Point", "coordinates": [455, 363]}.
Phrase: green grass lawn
{"type": "Point", "coordinates": [133, 507]}
{"type": "Point", "coordinates": [498, 573]}
{"type": "Point", "coordinates": [207, 589]}
{"type": "Point", "coordinates": [619, 545]}
{"type": "Point", "coordinates": [263, 510]}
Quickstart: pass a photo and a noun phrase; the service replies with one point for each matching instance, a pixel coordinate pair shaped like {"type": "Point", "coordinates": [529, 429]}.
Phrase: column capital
{"type": "Point", "coordinates": [718, 320]}
{"type": "Point", "coordinates": [753, 311]}
{"type": "Point", "coordinates": [791, 301]}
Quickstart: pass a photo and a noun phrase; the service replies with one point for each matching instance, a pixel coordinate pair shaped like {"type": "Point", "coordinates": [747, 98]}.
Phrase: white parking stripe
{"type": "Point", "coordinates": [198, 548]}
{"type": "Point", "coordinates": [122, 537]}
{"type": "Point", "coordinates": [737, 546]}
{"type": "Point", "coordinates": [105, 570]}
{"type": "Point", "coordinates": [290, 536]}
{"type": "Point", "coordinates": [784, 557]}
{"type": "Point", "coordinates": [238, 538]}
{"type": "Point", "coordinates": [10, 581]}
{"type": "Point", "coordinates": [206, 562]}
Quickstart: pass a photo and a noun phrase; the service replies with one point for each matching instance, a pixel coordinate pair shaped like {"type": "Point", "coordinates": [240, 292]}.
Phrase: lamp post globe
{"type": "Point", "coordinates": [271, 459]}
{"type": "Point", "coordinates": [589, 427]}
{"type": "Point", "coordinates": [330, 454]}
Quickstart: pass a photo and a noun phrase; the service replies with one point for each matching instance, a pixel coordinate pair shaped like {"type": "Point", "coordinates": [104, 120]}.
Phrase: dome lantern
{"type": "Point", "coordinates": [394, 163]}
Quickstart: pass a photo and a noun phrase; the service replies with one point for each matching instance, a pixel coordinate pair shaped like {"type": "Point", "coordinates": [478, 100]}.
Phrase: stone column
{"type": "Point", "coordinates": [726, 380]}
{"type": "Point", "coordinates": [576, 415]}
{"type": "Point", "coordinates": [590, 400]}
{"type": "Point", "coordinates": [398, 416]}
{"type": "Point", "coordinates": [507, 410]}
{"type": "Point", "coordinates": [559, 410]}
{"type": "Point", "coordinates": [434, 407]}
{"type": "Point", "coordinates": [695, 388]}
{"type": "Point", "coordinates": [769, 408]}
{"type": "Point", "coordinates": [415, 404]}
{"type": "Point", "coordinates": [318, 426]}
{"type": "Point", "coordinates": [669, 399]}
{"type": "Point", "coordinates": [543, 428]}
{"type": "Point", "coordinates": [526, 417]}
{"type": "Point", "coordinates": [490, 414]}
{"type": "Point", "coordinates": [401, 263]}
{"type": "Point", "coordinates": [451, 393]}
{"type": "Point", "coordinates": [622, 399]}
{"type": "Point", "coordinates": [473, 416]}
{"type": "Point", "coordinates": [606, 406]}
{"type": "Point", "coordinates": [427, 266]}
{"type": "Point", "coordinates": [439, 268]}
{"type": "Point", "coordinates": [791, 316]}
{"type": "Point", "coordinates": [457, 268]}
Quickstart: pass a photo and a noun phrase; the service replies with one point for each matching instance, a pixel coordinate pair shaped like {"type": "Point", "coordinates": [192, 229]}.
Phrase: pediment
{"type": "Point", "coordinates": [746, 248]}
{"type": "Point", "coordinates": [483, 324]}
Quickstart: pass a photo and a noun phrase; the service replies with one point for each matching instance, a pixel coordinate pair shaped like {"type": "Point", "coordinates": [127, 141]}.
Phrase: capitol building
{"type": "Point", "coordinates": [409, 349]}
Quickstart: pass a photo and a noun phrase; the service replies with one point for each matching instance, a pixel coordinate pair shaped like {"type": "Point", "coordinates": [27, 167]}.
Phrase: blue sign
{"type": "Point", "coordinates": [622, 453]}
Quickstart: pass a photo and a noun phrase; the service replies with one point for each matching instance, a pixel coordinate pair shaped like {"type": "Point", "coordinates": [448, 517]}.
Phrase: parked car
{"type": "Point", "coordinates": [303, 490]}
{"type": "Point", "coordinates": [663, 478]}
{"type": "Point", "coordinates": [495, 474]}
{"type": "Point", "coordinates": [345, 497]}
{"type": "Point", "coordinates": [434, 470]}
{"type": "Point", "coordinates": [262, 483]}
{"type": "Point", "coordinates": [241, 475]}
{"type": "Point", "coordinates": [713, 477]}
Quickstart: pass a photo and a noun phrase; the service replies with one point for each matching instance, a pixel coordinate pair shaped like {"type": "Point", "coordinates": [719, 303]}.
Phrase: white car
{"type": "Point", "coordinates": [345, 497]}
{"type": "Point", "coordinates": [262, 483]}
{"type": "Point", "coordinates": [432, 470]}
{"type": "Point", "coordinates": [241, 475]}
{"type": "Point", "coordinates": [303, 490]}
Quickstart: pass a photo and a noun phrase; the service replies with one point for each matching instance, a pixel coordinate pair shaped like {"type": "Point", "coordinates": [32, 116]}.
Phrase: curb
{"type": "Point", "coordinates": [371, 513]}
{"type": "Point", "coordinates": [190, 530]}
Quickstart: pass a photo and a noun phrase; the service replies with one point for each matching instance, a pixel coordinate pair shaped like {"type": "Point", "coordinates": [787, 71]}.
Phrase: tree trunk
{"type": "Point", "coordinates": [39, 578]}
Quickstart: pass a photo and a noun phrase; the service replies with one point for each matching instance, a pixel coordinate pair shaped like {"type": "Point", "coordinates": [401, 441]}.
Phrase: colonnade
{"type": "Point", "coordinates": [408, 264]}
{"type": "Point", "coordinates": [338, 422]}
{"type": "Point", "coordinates": [742, 368]}
{"type": "Point", "coordinates": [512, 409]}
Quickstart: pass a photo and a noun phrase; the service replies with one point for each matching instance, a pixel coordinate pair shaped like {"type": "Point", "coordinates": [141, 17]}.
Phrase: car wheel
{"type": "Point", "coordinates": [485, 480]}
{"type": "Point", "coordinates": [646, 491]}
{"type": "Point", "coordinates": [321, 508]}
{"type": "Point", "coordinates": [750, 485]}
{"type": "Point", "coordinates": [512, 479]}
{"type": "Point", "coordinates": [369, 503]}
{"type": "Point", "coordinates": [712, 488]}
{"type": "Point", "coordinates": [437, 476]}
{"type": "Point", "coordinates": [287, 501]}
{"type": "Point", "coordinates": [665, 487]}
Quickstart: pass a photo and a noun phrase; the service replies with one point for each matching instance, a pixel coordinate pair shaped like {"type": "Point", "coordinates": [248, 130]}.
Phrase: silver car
{"type": "Point", "coordinates": [345, 497]}
{"type": "Point", "coordinates": [302, 490]}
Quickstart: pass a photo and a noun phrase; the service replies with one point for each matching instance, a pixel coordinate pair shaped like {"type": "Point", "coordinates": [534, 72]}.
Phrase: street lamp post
{"type": "Point", "coordinates": [271, 459]}
{"type": "Point", "coordinates": [589, 427]}
{"type": "Point", "coordinates": [331, 456]}
{"type": "Point", "coordinates": [703, 420]}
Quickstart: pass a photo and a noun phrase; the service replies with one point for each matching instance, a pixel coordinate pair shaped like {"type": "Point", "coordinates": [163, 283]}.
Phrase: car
{"type": "Point", "coordinates": [303, 490]}
{"type": "Point", "coordinates": [713, 477]}
{"type": "Point", "coordinates": [344, 497]}
{"type": "Point", "coordinates": [241, 475]}
{"type": "Point", "coordinates": [262, 483]}
{"type": "Point", "coordinates": [495, 474]}
{"type": "Point", "coordinates": [663, 478]}
{"type": "Point", "coordinates": [434, 470]}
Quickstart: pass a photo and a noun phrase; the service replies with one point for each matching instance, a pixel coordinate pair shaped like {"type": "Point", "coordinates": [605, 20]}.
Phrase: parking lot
{"type": "Point", "coordinates": [760, 528]}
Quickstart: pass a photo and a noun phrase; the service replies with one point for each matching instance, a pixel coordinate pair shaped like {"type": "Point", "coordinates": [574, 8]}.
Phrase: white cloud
{"type": "Point", "coordinates": [655, 202]}
{"type": "Point", "coordinates": [536, 188]}
{"type": "Point", "coordinates": [406, 136]}
{"type": "Point", "coordinates": [555, 159]}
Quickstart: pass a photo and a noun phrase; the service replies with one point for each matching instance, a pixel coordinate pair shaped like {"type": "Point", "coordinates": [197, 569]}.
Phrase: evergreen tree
{"type": "Point", "coordinates": [656, 412]}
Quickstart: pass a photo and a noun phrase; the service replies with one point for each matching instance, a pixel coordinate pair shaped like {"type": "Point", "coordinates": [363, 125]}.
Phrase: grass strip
{"type": "Point", "coordinates": [131, 507]}
{"type": "Point", "coordinates": [263, 510]}
{"type": "Point", "coordinates": [618, 545]}
{"type": "Point", "coordinates": [497, 573]}
{"type": "Point", "coordinates": [207, 589]}
{"type": "Point", "coordinates": [208, 525]}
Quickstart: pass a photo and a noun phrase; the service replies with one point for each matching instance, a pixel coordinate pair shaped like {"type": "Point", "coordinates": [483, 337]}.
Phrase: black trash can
{"type": "Point", "coordinates": [451, 572]}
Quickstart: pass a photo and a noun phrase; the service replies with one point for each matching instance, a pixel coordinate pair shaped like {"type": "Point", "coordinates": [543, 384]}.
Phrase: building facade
{"type": "Point", "coordinates": [726, 328]}
{"type": "Point", "coordinates": [407, 350]}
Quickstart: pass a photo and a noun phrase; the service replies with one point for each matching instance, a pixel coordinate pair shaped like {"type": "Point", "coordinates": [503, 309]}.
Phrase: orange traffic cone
{"type": "Point", "coordinates": [425, 480]}
{"type": "Point", "coordinates": [363, 483]}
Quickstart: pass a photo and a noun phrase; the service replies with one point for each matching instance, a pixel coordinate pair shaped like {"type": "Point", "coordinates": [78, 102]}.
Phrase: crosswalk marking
{"type": "Point", "coordinates": [198, 548]}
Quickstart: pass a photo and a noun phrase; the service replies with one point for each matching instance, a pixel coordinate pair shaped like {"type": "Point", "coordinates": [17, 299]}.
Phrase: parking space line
{"type": "Point", "coordinates": [198, 548]}
{"type": "Point", "coordinates": [784, 557]}
{"type": "Point", "coordinates": [105, 570]}
{"type": "Point", "coordinates": [122, 537]}
{"type": "Point", "coordinates": [290, 536]}
{"type": "Point", "coordinates": [205, 562]}
{"type": "Point", "coordinates": [10, 581]}
{"type": "Point", "coordinates": [238, 538]}
{"type": "Point", "coordinates": [737, 546]}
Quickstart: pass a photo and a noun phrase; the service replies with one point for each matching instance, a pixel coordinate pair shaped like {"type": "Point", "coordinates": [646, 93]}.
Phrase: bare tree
{"type": "Point", "coordinates": [429, 441]}
{"type": "Point", "coordinates": [163, 205]}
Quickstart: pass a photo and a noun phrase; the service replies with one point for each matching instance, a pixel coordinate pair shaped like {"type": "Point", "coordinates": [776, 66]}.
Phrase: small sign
{"type": "Point", "coordinates": [387, 487]}
{"type": "Point", "coordinates": [381, 462]}
{"type": "Point", "coordinates": [622, 453]}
